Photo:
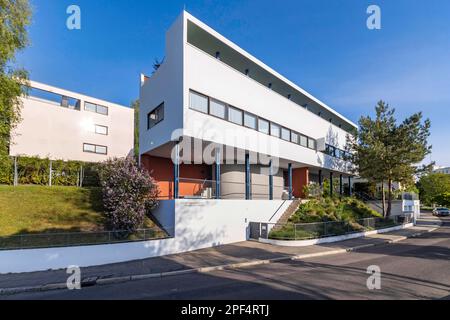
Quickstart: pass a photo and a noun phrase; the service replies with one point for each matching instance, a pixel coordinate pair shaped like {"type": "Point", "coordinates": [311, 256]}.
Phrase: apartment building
{"type": "Point", "coordinates": [266, 137]}
{"type": "Point", "coordinates": [65, 125]}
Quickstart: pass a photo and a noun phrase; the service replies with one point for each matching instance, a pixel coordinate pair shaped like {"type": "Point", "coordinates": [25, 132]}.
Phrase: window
{"type": "Point", "coordinates": [217, 109]}
{"type": "Point", "coordinates": [198, 102]}
{"type": "Point", "coordinates": [95, 108]}
{"type": "Point", "coordinates": [329, 150]}
{"type": "Point", "coordinates": [101, 130]}
{"type": "Point", "coordinates": [304, 141]}
{"type": "Point", "coordinates": [89, 148]}
{"type": "Point", "coordinates": [285, 134]}
{"type": "Point", "coordinates": [311, 143]}
{"type": "Point", "coordinates": [101, 150]}
{"type": "Point", "coordinates": [102, 110]}
{"type": "Point", "coordinates": [295, 137]}
{"type": "Point", "coordinates": [263, 126]}
{"type": "Point", "coordinates": [235, 115]}
{"type": "Point", "coordinates": [92, 148]}
{"type": "Point", "coordinates": [156, 116]}
{"type": "Point", "coordinates": [274, 130]}
{"type": "Point", "coordinates": [54, 98]}
{"type": "Point", "coordinates": [250, 120]}
{"type": "Point", "coordinates": [90, 107]}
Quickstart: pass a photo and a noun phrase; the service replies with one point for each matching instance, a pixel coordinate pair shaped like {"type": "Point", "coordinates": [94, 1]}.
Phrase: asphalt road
{"type": "Point", "coordinates": [412, 269]}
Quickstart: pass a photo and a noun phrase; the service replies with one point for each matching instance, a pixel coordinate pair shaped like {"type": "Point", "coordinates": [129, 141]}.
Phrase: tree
{"type": "Point", "coordinates": [135, 105]}
{"type": "Point", "coordinates": [157, 64]}
{"type": "Point", "coordinates": [14, 19]}
{"type": "Point", "coordinates": [384, 151]}
{"type": "Point", "coordinates": [129, 193]}
{"type": "Point", "coordinates": [432, 187]}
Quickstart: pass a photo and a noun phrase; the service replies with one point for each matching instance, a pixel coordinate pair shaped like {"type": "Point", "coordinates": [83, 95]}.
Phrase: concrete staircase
{"type": "Point", "coordinates": [289, 212]}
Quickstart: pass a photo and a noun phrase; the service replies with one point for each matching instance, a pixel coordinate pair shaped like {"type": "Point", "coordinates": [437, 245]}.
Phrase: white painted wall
{"type": "Point", "coordinates": [165, 85]}
{"type": "Point", "coordinates": [49, 130]}
{"type": "Point", "coordinates": [198, 224]}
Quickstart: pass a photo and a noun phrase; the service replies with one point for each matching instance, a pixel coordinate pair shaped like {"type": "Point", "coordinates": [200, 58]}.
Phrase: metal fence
{"type": "Point", "coordinates": [207, 189]}
{"type": "Point", "coordinates": [33, 170]}
{"type": "Point", "coordinates": [305, 231]}
{"type": "Point", "coordinates": [67, 239]}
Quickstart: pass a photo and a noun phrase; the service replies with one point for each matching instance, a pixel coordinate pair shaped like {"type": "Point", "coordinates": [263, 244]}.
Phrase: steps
{"type": "Point", "coordinates": [289, 212]}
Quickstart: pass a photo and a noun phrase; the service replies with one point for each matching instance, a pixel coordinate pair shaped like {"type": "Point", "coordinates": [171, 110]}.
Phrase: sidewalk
{"type": "Point", "coordinates": [205, 260]}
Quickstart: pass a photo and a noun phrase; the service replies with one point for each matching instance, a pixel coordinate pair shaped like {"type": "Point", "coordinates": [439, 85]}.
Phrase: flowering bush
{"type": "Point", "coordinates": [129, 192]}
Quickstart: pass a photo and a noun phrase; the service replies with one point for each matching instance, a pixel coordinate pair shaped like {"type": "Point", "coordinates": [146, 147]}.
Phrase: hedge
{"type": "Point", "coordinates": [35, 170]}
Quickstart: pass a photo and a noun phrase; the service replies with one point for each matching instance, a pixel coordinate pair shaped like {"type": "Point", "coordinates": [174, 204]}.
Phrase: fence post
{"type": "Point", "coordinates": [16, 178]}
{"type": "Point", "coordinates": [81, 176]}
{"type": "Point", "coordinates": [50, 175]}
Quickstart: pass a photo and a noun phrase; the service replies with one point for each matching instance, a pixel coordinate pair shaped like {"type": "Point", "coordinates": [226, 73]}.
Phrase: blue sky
{"type": "Point", "coordinates": [322, 45]}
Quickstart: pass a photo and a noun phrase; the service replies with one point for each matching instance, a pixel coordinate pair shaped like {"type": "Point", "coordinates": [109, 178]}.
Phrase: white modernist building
{"type": "Point", "coordinates": [64, 125]}
{"type": "Point", "coordinates": [214, 101]}
{"type": "Point", "coordinates": [230, 140]}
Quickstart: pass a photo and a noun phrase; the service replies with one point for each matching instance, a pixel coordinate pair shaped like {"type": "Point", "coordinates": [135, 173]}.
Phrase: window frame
{"type": "Point", "coordinates": [268, 126]}
{"type": "Point", "coordinates": [160, 106]}
{"type": "Point", "coordinates": [95, 148]}
{"type": "Point", "coordinates": [273, 124]}
{"type": "Point", "coordinates": [96, 108]}
{"type": "Point", "coordinates": [289, 132]}
{"type": "Point", "coordinates": [201, 95]}
{"type": "Point", "coordinates": [101, 126]}
{"type": "Point", "coordinates": [256, 120]}
{"type": "Point", "coordinates": [236, 109]}
{"type": "Point", "coordinates": [210, 100]}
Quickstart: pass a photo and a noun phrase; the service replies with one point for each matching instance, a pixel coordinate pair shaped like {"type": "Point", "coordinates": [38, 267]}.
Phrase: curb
{"type": "Point", "coordinates": [108, 281]}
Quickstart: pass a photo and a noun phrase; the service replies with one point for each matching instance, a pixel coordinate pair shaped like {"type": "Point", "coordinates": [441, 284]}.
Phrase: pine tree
{"type": "Point", "coordinates": [384, 151]}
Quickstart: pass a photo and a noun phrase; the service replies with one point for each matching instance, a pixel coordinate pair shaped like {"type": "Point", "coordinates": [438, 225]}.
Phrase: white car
{"type": "Point", "coordinates": [441, 212]}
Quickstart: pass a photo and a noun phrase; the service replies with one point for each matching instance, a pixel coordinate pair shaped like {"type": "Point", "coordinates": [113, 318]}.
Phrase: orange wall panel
{"type": "Point", "coordinates": [300, 179]}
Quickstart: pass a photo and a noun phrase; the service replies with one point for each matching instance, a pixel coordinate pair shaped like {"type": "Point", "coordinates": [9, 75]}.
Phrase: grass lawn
{"type": "Point", "coordinates": [37, 209]}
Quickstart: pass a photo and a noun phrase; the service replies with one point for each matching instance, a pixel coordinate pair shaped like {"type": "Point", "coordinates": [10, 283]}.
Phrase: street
{"type": "Point", "coordinates": [417, 268]}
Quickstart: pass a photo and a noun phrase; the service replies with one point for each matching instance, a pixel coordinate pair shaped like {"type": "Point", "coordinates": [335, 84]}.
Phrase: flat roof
{"type": "Point", "coordinates": [72, 94]}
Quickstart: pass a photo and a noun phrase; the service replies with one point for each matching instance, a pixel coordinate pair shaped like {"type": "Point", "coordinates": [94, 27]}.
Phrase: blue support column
{"type": "Point", "coordinates": [176, 172]}
{"type": "Point", "coordinates": [341, 185]}
{"type": "Point", "coordinates": [331, 184]}
{"type": "Point", "coordinates": [290, 180]}
{"type": "Point", "coordinates": [270, 181]}
{"type": "Point", "coordinates": [248, 195]}
{"type": "Point", "coordinates": [218, 159]}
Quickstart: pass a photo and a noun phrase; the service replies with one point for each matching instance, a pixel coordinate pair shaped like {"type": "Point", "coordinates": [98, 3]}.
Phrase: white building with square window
{"type": "Point", "coordinates": [210, 91]}
{"type": "Point", "coordinates": [64, 125]}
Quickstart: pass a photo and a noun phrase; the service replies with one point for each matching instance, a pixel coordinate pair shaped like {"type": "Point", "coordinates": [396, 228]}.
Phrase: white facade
{"type": "Point", "coordinates": [191, 66]}
{"type": "Point", "coordinates": [445, 170]}
{"type": "Point", "coordinates": [64, 125]}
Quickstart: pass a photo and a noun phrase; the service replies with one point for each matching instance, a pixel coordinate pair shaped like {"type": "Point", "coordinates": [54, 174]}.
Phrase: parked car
{"type": "Point", "coordinates": [441, 212]}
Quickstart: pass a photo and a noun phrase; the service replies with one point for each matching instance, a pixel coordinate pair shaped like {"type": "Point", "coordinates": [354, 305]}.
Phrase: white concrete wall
{"type": "Point", "coordinates": [165, 85]}
{"type": "Point", "coordinates": [49, 130]}
{"type": "Point", "coordinates": [198, 224]}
